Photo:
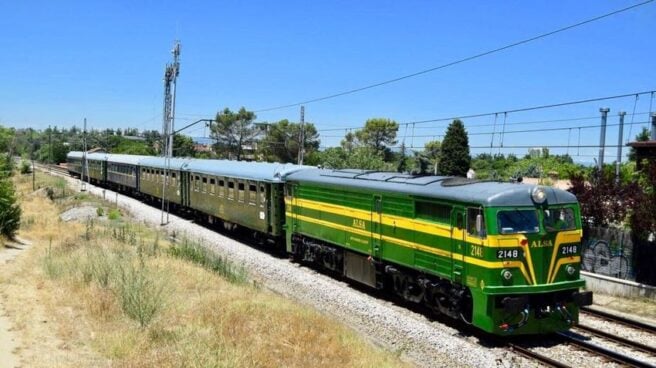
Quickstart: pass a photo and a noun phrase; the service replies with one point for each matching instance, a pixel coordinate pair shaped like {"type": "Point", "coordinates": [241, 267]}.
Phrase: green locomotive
{"type": "Point", "coordinates": [504, 257]}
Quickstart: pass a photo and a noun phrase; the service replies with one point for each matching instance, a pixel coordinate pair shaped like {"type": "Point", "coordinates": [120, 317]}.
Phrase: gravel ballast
{"type": "Point", "coordinates": [413, 336]}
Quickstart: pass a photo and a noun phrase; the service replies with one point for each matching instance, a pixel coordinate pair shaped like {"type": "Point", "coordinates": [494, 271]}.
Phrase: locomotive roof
{"type": "Point", "coordinates": [438, 187]}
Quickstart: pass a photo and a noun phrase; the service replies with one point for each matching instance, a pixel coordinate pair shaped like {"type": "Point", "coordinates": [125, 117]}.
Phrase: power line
{"type": "Point", "coordinates": [459, 61]}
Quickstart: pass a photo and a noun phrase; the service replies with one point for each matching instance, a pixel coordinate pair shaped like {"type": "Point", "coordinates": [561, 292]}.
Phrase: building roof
{"type": "Point", "coordinates": [438, 187]}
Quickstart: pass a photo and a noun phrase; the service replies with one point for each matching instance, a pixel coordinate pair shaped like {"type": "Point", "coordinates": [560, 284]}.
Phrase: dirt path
{"type": "Point", "coordinates": [8, 341]}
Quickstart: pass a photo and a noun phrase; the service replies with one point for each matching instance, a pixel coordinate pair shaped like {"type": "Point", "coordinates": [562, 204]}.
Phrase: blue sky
{"type": "Point", "coordinates": [104, 60]}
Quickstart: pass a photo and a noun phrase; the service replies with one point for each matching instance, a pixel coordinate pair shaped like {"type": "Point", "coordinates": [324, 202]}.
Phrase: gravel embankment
{"type": "Point", "coordinates": [414, 337]}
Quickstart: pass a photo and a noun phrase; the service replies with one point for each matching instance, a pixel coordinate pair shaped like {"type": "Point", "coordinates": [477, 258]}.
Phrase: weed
{"type": "Point", "coordinates": [100, 212]}
{"type": "Point", "coordinates": [51, 265]}
{"type": "Point", "coordinates": [114, 214]}
{"type": "Point", "coordinates": [198, 254]}
{"type": "Point", "coordinates": [140, 297]}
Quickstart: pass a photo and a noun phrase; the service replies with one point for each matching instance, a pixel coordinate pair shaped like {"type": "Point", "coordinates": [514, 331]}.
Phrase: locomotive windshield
{"type": "Point", "coordinates": [518, 221]}
{"type": "Point", "coordinates": [559, 219]}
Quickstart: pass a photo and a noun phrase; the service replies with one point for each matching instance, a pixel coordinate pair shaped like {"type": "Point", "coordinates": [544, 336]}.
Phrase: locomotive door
{"type": "Point", "coordinates": [458, 245]}
{"type": "Point", "coordinates": [376, 227]}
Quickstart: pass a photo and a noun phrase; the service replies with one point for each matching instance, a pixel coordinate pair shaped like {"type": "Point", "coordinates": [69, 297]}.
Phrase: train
{"type": "Point", "coordinates": [503, 257]}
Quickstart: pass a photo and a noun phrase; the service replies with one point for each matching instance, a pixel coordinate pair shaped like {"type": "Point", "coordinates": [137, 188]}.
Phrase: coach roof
{"type": "Point", "coordinates": [438, 187]}
{"type": "Point", "coordinates": [260, 171]}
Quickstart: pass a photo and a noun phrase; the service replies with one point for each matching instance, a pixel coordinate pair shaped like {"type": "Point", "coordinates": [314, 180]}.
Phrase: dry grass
{"type": "Point", "coordinates": [65, 299]}
{"type": "Point", "coordinates": [642, 307]}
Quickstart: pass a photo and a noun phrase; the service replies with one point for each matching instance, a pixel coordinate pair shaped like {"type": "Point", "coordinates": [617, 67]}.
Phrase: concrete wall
{"type": "Point", "coordinates": [617, 287]}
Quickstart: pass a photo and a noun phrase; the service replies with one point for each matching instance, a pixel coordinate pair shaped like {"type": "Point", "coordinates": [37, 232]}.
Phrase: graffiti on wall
{"type": "Point", "coordinates": [609, 252]}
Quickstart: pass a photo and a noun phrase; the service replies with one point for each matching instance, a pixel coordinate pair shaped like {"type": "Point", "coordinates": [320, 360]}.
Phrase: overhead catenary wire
{"type": "Point", "coordinates": [459, 61]}
{"type": "Point", "coordinates": [512, 111]}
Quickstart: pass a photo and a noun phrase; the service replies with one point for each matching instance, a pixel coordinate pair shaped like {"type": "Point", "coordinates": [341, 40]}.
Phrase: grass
{"type": "Point", "coordinates": [116, 293]}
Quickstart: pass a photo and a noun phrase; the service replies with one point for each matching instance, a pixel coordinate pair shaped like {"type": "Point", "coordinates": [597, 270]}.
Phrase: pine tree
{"type": "Point", "coordinates": [455, 158]}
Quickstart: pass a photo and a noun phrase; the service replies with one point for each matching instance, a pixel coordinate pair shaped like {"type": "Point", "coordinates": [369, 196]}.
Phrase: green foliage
{"type": "Point", "coordinates": [140, 296]}
{"type": "Point", "coordinates": [232, 131]}
{"type": "Point", "coordinates": [25, 167]}
{"type": "Point", "coordinates": [378, 134]}
{"type": "Point", "coordinates": [455, 158]}
{"type": "Point", "coordinates": [200, 255]}
{"type": "Point", "coordinates": [643, 136]}
{"type": "Point", "coordinates": [114, 214]}
{"type": "Point", "coordinates": [183, 146]}
{"type": "Point", "coordinates": [100, 211]}
{"type": "Point", "coordinates": [10, 211]}
{"type": "Point", "coordinates": [281, 141]}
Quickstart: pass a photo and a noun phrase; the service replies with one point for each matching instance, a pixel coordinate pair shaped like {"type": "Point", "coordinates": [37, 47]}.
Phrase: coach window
{"type": "Point", "coordinates": [221, 188]}
{"type": "Point", "coordinates": [212, 185]}
{"type": "Point", "coordinates": [252, 194]}
{"type": "Point", "coordinates": [204, 185]}
{"type": "Point", "coordinates": [476, 222]}
{"type": "Point", "coordinates": [196, 183]}
{"type": "Point", "coordinates": [241, 192]}
{"type": "Point", "coordinates": [231, 189]}
{"type": "Point", "coordinates": [173, 179]}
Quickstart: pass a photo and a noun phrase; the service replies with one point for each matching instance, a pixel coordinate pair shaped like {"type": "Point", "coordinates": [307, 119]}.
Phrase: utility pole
{"type": "Point", "coordinates": [32, 159]}
{"type": "Point", "coordinates": [85, 166]}
{"type": "Point", "coordinates": [301, 138]}
{"type": "Point", "coordinates": [602, 139]}
{"type": "Point", "coordinates": [653, 126]}
{"type": "Point", "coordinates": [49, 149]}
{"type": "Point", "coordinates": [618, 163]}
{"type": "Point", "coordinates": [171, 73]}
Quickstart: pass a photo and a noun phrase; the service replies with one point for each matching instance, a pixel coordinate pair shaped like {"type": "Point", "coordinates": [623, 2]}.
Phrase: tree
{"type": "Point", "coordinates": [183, 146]}
{"type": "Point", "coordinates": [643, 136]}
{"type": "Point", "coordinates": [432, 152]}
{"type": "Point", "coordinates": [10, 211]}
{"type": "Point", "coordinates": [232, 131]}
{"type": "Point", "coordinates": [349, 142]}
{"type": "Point", "coordinates": [455, 158]}
{"type": "Point", "coordinates": [281, 141]}
{"type": "Point", "coordinates": [378, 134]}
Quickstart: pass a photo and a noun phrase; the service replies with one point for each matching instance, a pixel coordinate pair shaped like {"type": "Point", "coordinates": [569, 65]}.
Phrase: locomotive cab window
{"type": "Point", "coordinates": [476, 222]}
{"type": "Point", "coordinates": [559, 219]}
{"type": "Point", "coordinates": [524, 221]}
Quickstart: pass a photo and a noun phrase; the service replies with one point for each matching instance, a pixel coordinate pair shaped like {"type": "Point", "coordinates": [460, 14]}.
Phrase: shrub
{"type": "Point", "coordinates": [100, 211]}
{"type": "Point", "coordinates": [10, 212]}
{"type": "Point", "coordinates": [140, 297]}
{"type": "Point", "coordinates": [114, 214]}
{"type": "Point", "coordinates": [25, 167]}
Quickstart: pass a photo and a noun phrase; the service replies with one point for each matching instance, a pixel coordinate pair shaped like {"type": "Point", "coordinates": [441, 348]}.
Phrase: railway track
{"type": "Point", "coordinates": [638, 325]}
{"type": "Point", "coordinates": [609, 354]}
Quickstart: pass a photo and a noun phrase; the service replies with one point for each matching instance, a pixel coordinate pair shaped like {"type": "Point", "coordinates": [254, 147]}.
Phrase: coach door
{"type": "Point", "coordinates": [184, 188]}
{"type": "Point", "coordinates": [458, 245]}
{"type": "Point", "coordinates": [376, 227]}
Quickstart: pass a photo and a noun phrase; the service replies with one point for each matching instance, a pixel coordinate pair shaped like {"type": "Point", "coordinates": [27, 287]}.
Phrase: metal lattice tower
{"type": "Point", "coordinates": [171, 73]}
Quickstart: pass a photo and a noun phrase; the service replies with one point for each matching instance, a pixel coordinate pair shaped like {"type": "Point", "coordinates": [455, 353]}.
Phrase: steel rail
{"type": "Point", "coordinates": [605, 352]}
{"type": "Point", "coordinates": [543, 359]}
{"type": "Point", "coordinates": [618, 339]}
{"type": "Point", "coordinates": [622, 320]}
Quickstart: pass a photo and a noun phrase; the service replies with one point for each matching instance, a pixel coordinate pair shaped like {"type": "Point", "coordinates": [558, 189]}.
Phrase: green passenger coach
{"type": "Point", "coordinates": [504, 257]}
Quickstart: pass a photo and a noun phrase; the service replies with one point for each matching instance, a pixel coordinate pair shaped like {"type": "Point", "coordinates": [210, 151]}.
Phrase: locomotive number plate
{"type": "Point", "coordinates": [508, 253]}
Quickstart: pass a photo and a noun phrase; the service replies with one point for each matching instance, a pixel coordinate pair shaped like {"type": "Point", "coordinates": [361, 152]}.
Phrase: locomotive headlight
{"type": "Point", "coordinates": [506, 275]}
{"type": "Point", "coordinates": [538, 195]}
{"type": "Point", "coordinates": [570, 270]}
